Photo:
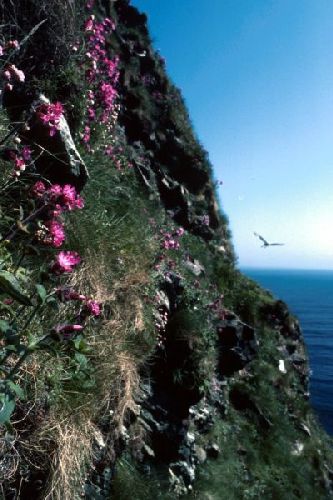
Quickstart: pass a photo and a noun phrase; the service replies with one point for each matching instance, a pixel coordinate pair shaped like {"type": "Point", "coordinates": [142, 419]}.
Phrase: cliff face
{"type": "Point", "coordinates": [191, 381]}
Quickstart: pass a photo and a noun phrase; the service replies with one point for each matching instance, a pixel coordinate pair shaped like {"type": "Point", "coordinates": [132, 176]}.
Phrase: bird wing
{"type": "Point", "coordinates": [276, 244]}
{"type": "Point", "coordinates": [261, 238]}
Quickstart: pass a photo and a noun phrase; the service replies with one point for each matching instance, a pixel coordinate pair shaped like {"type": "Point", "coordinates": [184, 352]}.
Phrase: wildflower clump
{"type": "Point", "coordinates": [50, 115]}
{"type": "Point", "coordinates": [20, 157]}
{"type": "Point", "coordinates": [51, 203]}
{"type": "Point", "coordinates": [102, 76]}
{"type": "Point", "coordinates": [9, 73]}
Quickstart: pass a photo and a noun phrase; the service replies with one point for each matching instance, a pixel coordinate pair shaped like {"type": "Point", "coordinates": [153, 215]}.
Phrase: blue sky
{"type": "Point", "coordinates": [257, 76]}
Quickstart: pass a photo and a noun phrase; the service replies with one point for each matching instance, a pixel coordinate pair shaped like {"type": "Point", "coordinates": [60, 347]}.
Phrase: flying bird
{"type": "Point", "coordinates": [265, 242]}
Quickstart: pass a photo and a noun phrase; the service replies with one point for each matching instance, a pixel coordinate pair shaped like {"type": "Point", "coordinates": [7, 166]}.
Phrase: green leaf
{"type": "Point", "coordinates": [81, 345]}
{"type": "Point", "coordinates": [16, 389]}
{"type": "Point", "coordinates": [9, 332]}
{"type": "Point", "coordinates": [11, 286]}
{"type": "Point", "coordinates": [41, 292]}
{"type": "Point", "coordinates": [4, 326]}
{"type": "Point", "coordinates": [52, 301]}
{"type": "Point", "coordinates": [7, 408]}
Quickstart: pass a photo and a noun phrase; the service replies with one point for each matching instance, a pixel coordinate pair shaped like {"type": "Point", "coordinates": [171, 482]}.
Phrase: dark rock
{"type": "Point", "coordinates": [241, 401]}
{"type": "Point", "coordinates": [237, 345]}
{"type": "Point", "coordinates": [185, 470]}
{"type": "Point", "coordinates": [213, 450]}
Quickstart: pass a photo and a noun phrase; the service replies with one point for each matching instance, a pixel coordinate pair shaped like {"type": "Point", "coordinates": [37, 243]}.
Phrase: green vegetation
{"type": "Point", "coordinates": [142, 364]}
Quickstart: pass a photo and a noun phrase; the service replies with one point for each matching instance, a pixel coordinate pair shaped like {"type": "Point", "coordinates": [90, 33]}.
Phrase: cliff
{"type": "Point", "coordinates": [136, 360]}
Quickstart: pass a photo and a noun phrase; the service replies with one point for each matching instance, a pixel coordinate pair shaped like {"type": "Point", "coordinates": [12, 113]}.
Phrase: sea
{"type": "Point", "coordinates": [309, 295]}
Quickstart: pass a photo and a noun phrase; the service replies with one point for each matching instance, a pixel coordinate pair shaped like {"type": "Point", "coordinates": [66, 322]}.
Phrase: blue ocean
{"type": "Point", "coordinates": [309, 295]}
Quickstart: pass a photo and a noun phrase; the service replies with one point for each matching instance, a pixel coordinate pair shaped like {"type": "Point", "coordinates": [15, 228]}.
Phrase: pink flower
{"type": "Point", "coordinates": [79, 202]}
{"type": "Point", "coordinates": [38, 189]}
{"type": "Point", "coordinates": [13, 44]}
{"type": "Point", "coordinates": [180, 231]}
{"type": "Point", "coordinates": [65, 262]}
{"type": "Point", "coordinates": [26, 153]}
{"type": "Point", "coordinates": [204, 219]}
{"type": "Point", "coordinates": [8, 302]}
{"type": "Point", "coordinates": [18, 74]}
{"type": "Point", "coordinates": [69, 199]}
{"type": "Point", "coordinates": [91, 114]}
{"type": "Point", "coordinates": [1, 50]}
{"type": "Point", "coordinates": [56, 235]}
{"type": "Point", "coordinates": [68, 331]}
{"type": "Point", "coordinates": [108, 94]}
{"type": "Point", "coordinates": [59, 198]}
{"type": "Point", "coordinates": [86, 135]}
{"type": "Point", "coordinates": [69, 328]}
{"type": "Point", "coordinates": [93, 307]}
{"type": "Point", "coordinates": [12, 72]}
{"type": "Point", "coordinates": [89, 25]}
{"type": "Point", "coordinates": [65, 294]}
{"type": "Point", "coordinates": [51, 114]}
{"type": "Point", "coordinates": [55, 191]}
{"type": "Point", "coordinates": [19, 164]}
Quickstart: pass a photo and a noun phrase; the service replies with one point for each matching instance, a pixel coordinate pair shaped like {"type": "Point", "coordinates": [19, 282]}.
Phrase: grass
{"type": "Point", "coordinates": [86, 390]}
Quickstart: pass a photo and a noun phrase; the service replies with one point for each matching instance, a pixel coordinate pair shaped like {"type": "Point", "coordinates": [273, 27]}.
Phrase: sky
{"type": "Point", "coordinates": [257, 77]}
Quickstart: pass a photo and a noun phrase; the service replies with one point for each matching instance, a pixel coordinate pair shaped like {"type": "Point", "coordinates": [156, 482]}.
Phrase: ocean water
{"type": "Point", "coordinates": [309, 295]}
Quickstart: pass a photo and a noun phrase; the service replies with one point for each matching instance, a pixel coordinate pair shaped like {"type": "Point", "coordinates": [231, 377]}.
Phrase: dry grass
{"type": "Point", "coordinates": [115, 345]}
{"type": "Point", "coordinates": [58, 440]}
{"type": "Point", "coordinates": [71, 458]}
{"type": "Point", "coordinates": [116, 359]}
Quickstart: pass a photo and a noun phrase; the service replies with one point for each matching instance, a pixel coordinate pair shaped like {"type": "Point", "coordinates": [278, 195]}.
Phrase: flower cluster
{"type": "Point", "coordinates": [10, 45]}
{"type": "Point", "coordinates": [11, 74]}
{"type": "Point", "coordinates": [90, 306]}
{"type": "Point", "coordinates": [170, 241]}
{"type": "Point", "coordinates": [50, 115]}
{"type": "Point", "coordinates": [60, 198]}
{"type": "Point", "coordinates": [55, 235]}
{"type": "Point", "coordinates": [204, 220]}
{"type": "Point", "coordinates": [102, 76]}
{"type": "Point", "coordinates": [65, 262]}
{"type": "Point", "coordinates": [20, 159]}
{"type": "Point", "coordinates": [56, 199]}
{"type": "Point", "coordinates": [119, 159]}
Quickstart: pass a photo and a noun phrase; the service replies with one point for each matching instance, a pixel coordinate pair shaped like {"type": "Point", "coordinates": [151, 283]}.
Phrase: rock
{"type": "Point", "coordinates": [202, 417]}
{"type": "Point", "coordinates": [149, 452]}
{"type": "Point", "coordinates": [190, 437]}
{"type": "Point", "coordinates": [194, 266]}
{"type": "Point", "coordinates": [99, 439]}
{"type": "Point", "coordinates": [57, 158]}
{"type": "Point", "coordinates": [297, 359]}
{"type": "Point", "coordinates": [185, 470]}
{"type": "Point", "coordinates": [177, 484]}
{"type": "Point", "coordinates": [213, 450]}
{"type": "Point", "coordinates": [200, 454]}
{"type": "Point", "coordinates": [242, 401]}
{"type": "Point", "coordinates": [297, 448]}
{"type": "Point", "coordinates": [305, 428]}
{"type": "Point", "coordinates": [237, 345]}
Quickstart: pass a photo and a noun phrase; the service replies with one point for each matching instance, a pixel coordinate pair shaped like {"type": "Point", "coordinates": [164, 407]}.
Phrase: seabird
{"type": "Point", "coordinates": [265, 242]}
